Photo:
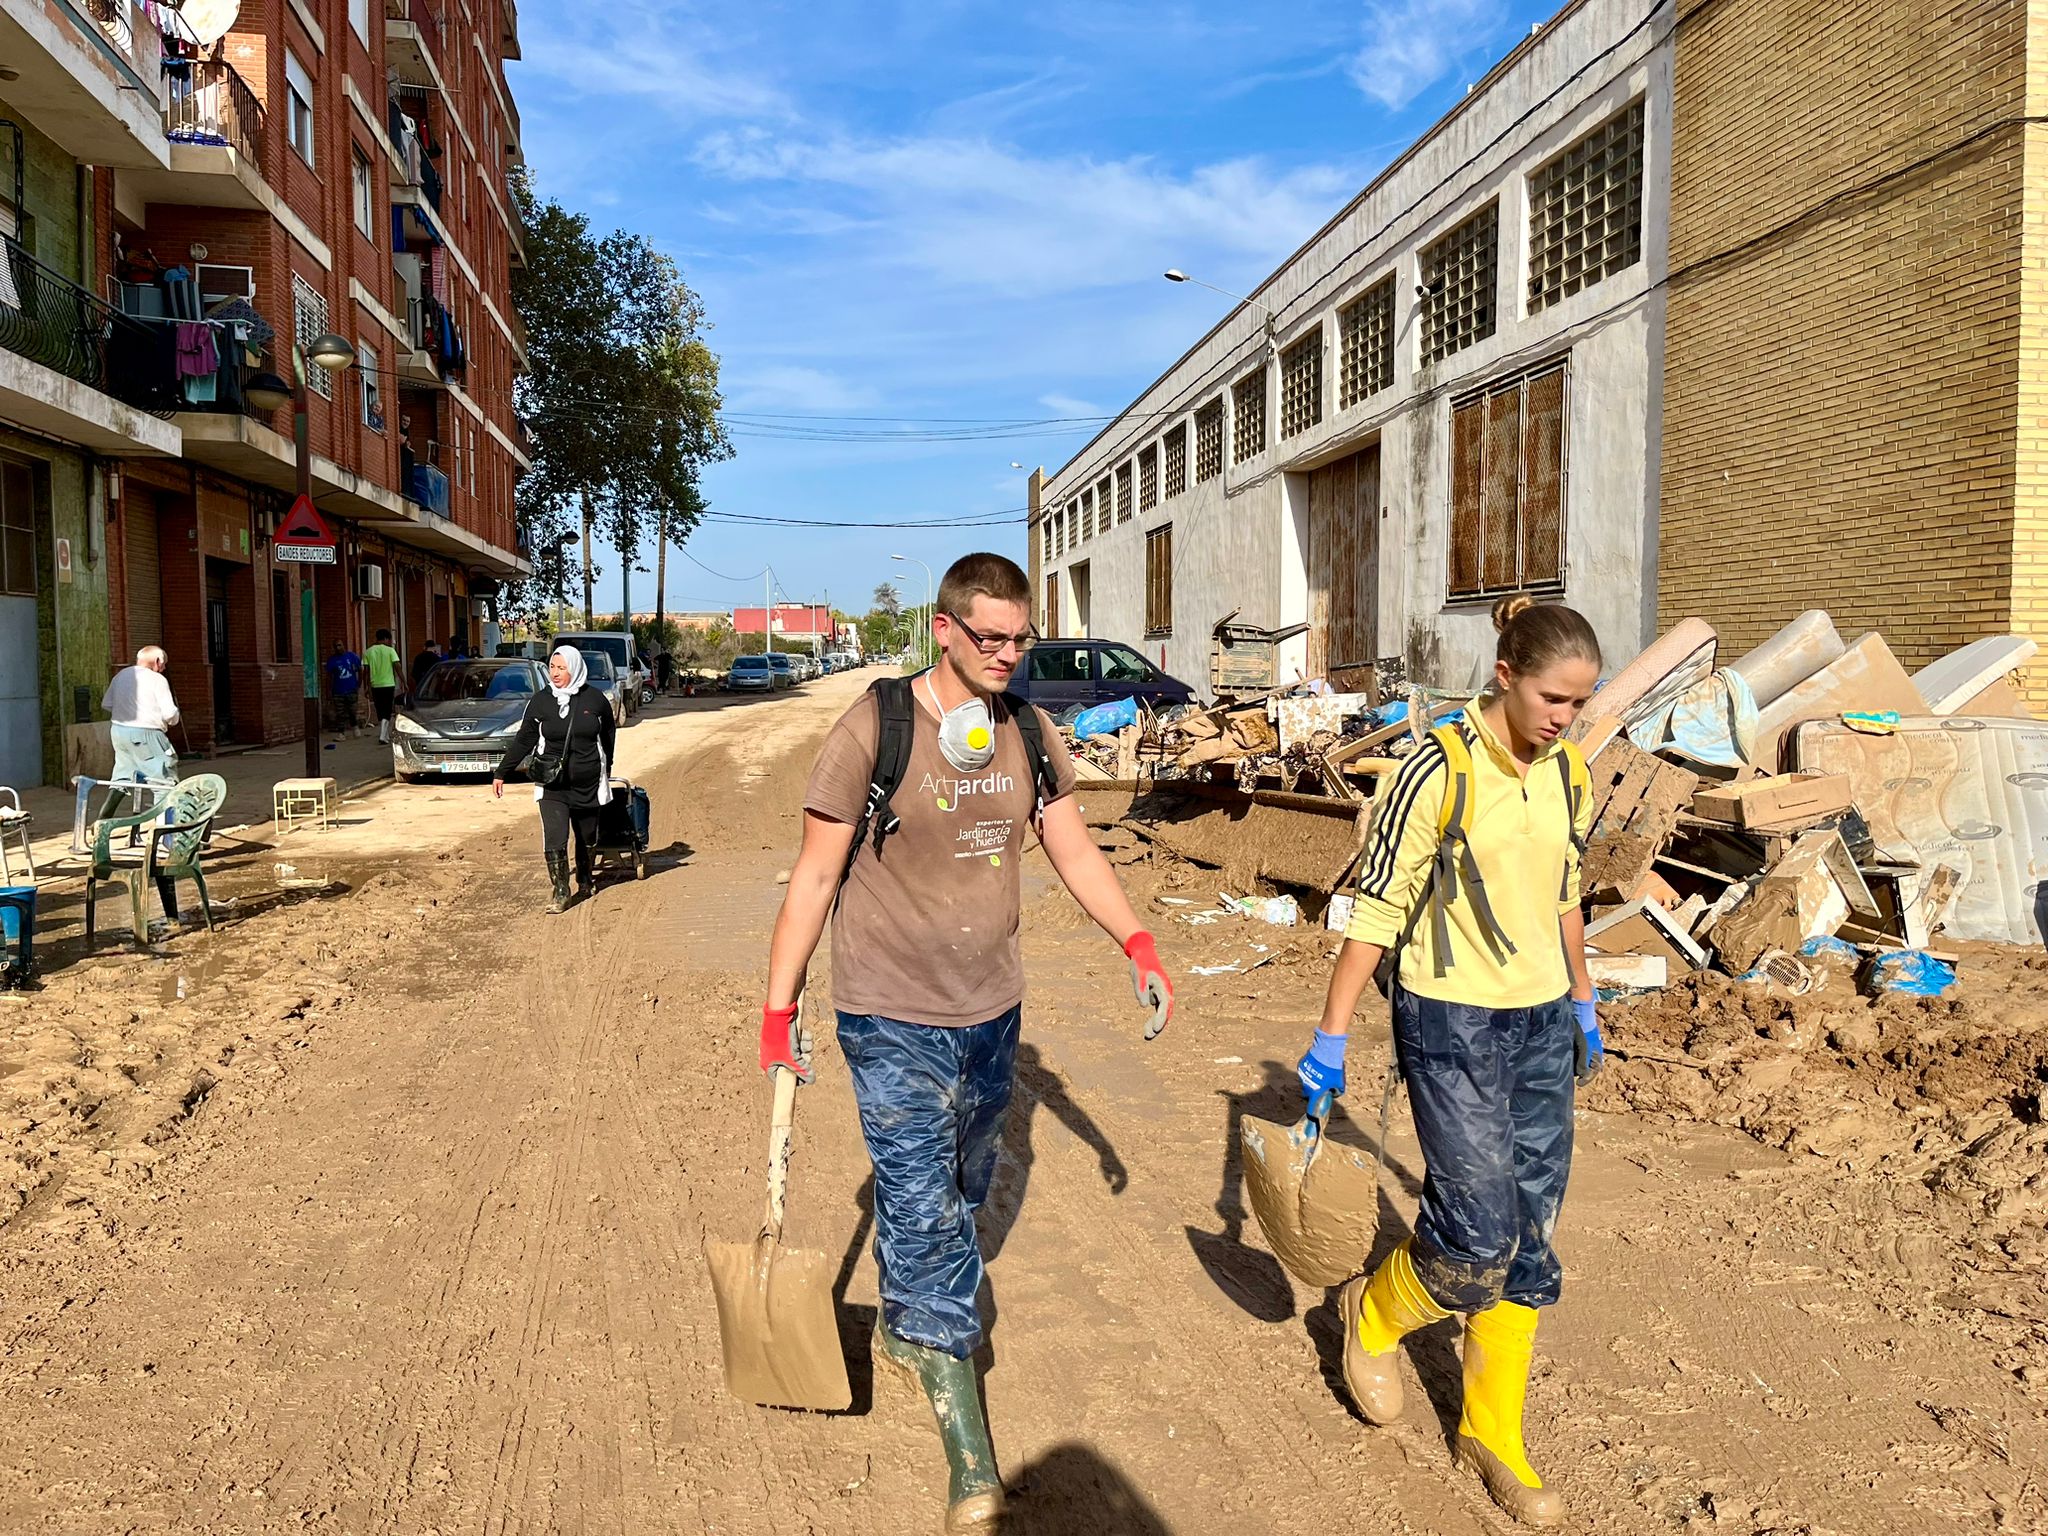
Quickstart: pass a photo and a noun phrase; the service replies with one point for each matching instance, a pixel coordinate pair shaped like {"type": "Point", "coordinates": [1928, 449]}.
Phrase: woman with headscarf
{"type": "Point", "coordinates": [565, 741]}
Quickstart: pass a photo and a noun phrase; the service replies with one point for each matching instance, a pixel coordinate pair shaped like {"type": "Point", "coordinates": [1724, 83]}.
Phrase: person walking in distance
{"type": "Point", "coordinates": [428, 658]}
{"type": "Point", "coordinates": [1471, 888]}
{"type": "Point", "coordinates": [914, 819]}
{"type": "Point", "coordinates": [565, 740]}
{"type": "Point", "coordinates": [380, 665]}
{"type": "Point", "coordinates": [344, 681]}
{"type": "Point", "coordinates": [140, 704]}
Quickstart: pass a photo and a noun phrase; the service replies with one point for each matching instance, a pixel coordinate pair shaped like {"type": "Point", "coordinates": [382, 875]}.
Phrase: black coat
{"type": "Point", "coordinates": [588, 730]}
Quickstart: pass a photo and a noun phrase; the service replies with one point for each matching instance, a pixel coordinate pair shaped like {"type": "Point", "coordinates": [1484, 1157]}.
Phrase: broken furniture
{"type": "Point", "coordinates": [141, 794]}
{"type": "Point", "coordinates": [174, 839]}
{"type": "Point", "coordinates": [1245, 658]}
{"type": "Point", "coordinates": [300, 802]}
{"type": "Point", "coordinates": [14, 824]}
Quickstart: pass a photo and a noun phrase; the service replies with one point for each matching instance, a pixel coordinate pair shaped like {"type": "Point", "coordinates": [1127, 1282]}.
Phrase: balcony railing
{"type": "Point", "coordinates": [49, 319]}
{"type": "Point", "coordinates": [134, 36]}
{"type": "Point", "coordinates": [214, 105]}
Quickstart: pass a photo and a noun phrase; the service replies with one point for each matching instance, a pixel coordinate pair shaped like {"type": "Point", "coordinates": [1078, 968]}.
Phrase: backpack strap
{"type": "Point", "coordinates": [1578, 787]}
{"type": "Point", "coordinates": [1032, 729]}
{"type": "Point", "coordinates": [1455, 859]}
{"type": "Point", "coordinates": [894, 707]}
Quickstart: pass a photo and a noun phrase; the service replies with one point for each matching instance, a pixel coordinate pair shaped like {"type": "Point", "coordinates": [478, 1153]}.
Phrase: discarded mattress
{"type": "Point", "coordinates": [1790, 656]}
{"type": "Point", "coordinates": [1667, 668]}
{"type": "Point", "coordinates": [1960, 676]}
{"type": "Point", "coordinates": [1867, 676]}
{"type": "Point", "coordinates": [1963, 790]}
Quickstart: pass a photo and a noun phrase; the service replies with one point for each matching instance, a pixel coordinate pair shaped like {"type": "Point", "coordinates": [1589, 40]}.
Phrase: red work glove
{"type": "Point", "coordinates": [783, 1043]}
{"type": "Point", "coordinates": [1148, 979]}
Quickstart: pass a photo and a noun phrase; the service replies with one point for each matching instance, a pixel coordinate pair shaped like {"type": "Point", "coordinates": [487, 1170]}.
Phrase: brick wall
{"type": "Point", "coordinates": [1841, 378]}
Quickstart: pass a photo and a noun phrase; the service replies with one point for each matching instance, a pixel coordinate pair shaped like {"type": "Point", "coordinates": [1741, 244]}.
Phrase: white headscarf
{"type": "Point", "coordinates": [578, 672]}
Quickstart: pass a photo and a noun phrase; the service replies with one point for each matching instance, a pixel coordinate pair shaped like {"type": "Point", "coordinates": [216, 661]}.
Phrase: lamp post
{"type": "Point", "coordinates": [1175, 275]}
{"type": "Point", "coordinates": [924, 647]}
{"type": "Point", "coordinates": [267, 392]}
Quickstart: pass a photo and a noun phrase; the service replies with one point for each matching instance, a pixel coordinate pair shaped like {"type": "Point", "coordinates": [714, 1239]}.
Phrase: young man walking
{"type": "Point", "coordinates": [380, 665]}
{"type": "Point", "coordinates": [927, 975]}
{"type": "Point", "coordinates": [344, 681]}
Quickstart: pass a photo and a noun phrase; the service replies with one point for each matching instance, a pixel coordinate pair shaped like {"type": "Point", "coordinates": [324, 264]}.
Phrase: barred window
{"type": "Point", "coordinates": [1159, 580]}
{"type": "Point", "coordinates": [1248, 409]}
{"type": "Point", "coordinates": [1177, 460]}
{"type": "Point", "coordinates": [1586, 211]}
{"type": "Point", "coordinates": [1365, 358]}
{"type": "Point", "coordinates": [1508, 485]}
{"type": "Point", "coordinates": [1102, 500]}
{"type": "Point", "coordinates": [1123, 491]}
{"type": "Point", "coordinates": [1460, 276]}
{"type": "Point", "coordinates": [1209, 441]}
{"type": "Point", "coordinates": [1148, 477]}
{"type": "Point", "coordinates": [1301, 384]}
{"type": "Point", "coordinates": [309, 324]}
{"type": "Point", "coordinates": [1048, 528]}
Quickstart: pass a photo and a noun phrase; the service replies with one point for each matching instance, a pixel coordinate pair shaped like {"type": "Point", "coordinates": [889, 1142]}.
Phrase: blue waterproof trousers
{"type": "Point", "coordinates": [931, 1103]}
{"type": "Point", "coordinates": [1491, 1089]}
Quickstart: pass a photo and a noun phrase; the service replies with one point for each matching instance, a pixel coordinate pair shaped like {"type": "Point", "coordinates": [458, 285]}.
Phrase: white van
{"type": "Point", "coordinates": [625, 655]}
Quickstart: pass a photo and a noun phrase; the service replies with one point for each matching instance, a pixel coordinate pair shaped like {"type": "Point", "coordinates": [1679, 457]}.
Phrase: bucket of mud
{"type": "Point", "coordinates": [18, 928]}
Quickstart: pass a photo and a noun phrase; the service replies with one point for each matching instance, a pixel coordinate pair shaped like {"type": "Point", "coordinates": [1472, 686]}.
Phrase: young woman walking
{"type": "Point", "coordinates": [569, 731]}
{"type": "Point", "coordinates": [1472, 878]}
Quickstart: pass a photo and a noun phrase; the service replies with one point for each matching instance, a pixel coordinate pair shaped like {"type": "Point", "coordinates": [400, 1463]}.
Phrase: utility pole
{"type": "Point", "coordinates": [626, 588]}
{"type": "Point", "coordinates": [589, 610]}
{"type": "Point", "coordinates": [660, 570]}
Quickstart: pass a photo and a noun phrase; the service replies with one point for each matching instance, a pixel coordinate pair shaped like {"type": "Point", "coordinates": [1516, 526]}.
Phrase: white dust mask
{"type": "Point", "coordinates": [967, 733]}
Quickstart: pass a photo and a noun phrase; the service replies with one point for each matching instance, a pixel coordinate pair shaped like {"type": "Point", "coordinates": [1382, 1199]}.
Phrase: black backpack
{"type": "Point", "coordinates": [892, 757]}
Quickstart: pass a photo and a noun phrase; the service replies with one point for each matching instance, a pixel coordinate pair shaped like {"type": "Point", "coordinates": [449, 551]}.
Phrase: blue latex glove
{"type": "Point", "coordinates": [1589, 1054]}
{"type": "Point", "coordinates": [1322, 1069]}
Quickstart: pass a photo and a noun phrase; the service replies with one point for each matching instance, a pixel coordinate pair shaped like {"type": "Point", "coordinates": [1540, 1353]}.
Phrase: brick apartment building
{"type": "Point", "coordinates": [1730, 308]}
{"type": "Point", "coordinates": [178, 211]}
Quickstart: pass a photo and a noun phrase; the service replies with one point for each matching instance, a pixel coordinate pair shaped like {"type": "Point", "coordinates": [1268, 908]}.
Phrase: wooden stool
{"type": "Point", "coordinates": [297, 801]}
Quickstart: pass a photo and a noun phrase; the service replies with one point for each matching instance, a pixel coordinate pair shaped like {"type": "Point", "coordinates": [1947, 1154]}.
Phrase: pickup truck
{"type": "Point", "coordinates": [1058, 674]}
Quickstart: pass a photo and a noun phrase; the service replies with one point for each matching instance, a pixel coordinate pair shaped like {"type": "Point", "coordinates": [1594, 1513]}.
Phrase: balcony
{"type": "Point", "coordinates": [76, 368]}
{"type": "Point", "coordinates": [88, 75]}
{"type": "Point", "coordinates": [508, 38]}
{"type": "Point", "coordinates": [412, 42]}
{"type": "Point", "coordinates": [216, 131]}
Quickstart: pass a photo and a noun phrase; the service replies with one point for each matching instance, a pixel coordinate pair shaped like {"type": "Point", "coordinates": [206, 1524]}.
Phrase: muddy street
{"type": "Point", "coordinates": [389, 1218]}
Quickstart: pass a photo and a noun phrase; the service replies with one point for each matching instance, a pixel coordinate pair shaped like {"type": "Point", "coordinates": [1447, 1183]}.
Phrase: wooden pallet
{"type": "Point", "coordinates": [1637, 800]}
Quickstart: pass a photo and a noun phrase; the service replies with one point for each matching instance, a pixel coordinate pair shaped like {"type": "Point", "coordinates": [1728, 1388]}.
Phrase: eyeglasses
{"type": "Point", "coordinates": [992, 645]}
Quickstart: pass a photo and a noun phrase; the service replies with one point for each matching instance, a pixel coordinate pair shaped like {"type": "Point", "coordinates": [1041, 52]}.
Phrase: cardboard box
{"type": "Point", "coordinates": [1776, 801]}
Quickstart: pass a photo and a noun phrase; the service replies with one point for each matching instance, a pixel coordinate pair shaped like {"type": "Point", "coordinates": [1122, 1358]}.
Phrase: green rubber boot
{"type": "Point", "coordinates": [974, 1497]}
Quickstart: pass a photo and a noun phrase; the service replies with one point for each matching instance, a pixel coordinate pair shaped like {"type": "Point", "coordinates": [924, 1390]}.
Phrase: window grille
{"type": "Point", "coordinates": [1508, 485]}
{"type": "Point", "coordinates": [1248, 417]}
{"type": "Point", "coordinates": [1123, 491]}
{"type": "Point", "coordinates": [1209, 441]}
{"type": "Point", "coordinates": [1102, 498]}
{"type": "Point", "coordinates": [1586, 211]}
{"type": "Point", "coordinates": [1301, 384]}
{"type": "Point", "coordinates": [309, 324]}
{"type": "Point", "coordinates": [1177, 461]}
{"type": "Point", "coordinates": [1365, 357]}
{"type": "Point", "coordinates": [1148, 477]}
{"type": "Point", "coordinates": [1460, 276]}
{"type": "Point", "coordinates": [1159, 580]}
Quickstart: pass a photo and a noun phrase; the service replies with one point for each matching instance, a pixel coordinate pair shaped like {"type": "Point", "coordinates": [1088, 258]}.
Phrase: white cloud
{"type": "Point", "coordinates": [794, 387]}
{"type": "Point", "coordinates": [1412, 44]}
{"type": "Point", "coordinates": [1067, 405]}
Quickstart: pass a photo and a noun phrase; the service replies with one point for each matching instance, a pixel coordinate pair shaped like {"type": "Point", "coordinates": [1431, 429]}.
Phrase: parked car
{"type": "Point", "coordinates": [462, 717]}
{"type": "Point", "coordinates": [625, 655]}
{"type": "Point", "coordinates": [529, 650]}
{"type": "Point", "coordinates": [784, 666]}
{"type": "Point", "coordinates": [604, 677]}
{"type": "Point", "coordinates": [751, 674]}
{"type": "Point", "coordinates": [1058, 674]}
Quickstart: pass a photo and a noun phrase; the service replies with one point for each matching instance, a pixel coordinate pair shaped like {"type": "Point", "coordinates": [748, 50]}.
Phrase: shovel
{"type": "Point", "coordinates": [1316, 1202]}
{"type": "Point", "coordinates": [775, 1314]}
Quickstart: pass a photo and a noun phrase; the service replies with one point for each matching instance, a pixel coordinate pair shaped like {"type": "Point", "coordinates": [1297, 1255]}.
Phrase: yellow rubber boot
{"type": "Point", "coordinates": [1376, 1313]}
{"type": "Point", "coordinates": [1499, 1345]}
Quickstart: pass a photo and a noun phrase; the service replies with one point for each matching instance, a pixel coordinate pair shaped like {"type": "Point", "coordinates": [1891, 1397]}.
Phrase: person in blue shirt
{"type": "Point", "coordinates": [344, 685]}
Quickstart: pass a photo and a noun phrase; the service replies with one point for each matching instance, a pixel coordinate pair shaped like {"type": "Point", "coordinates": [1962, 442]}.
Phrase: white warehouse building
{"type": "Point", "coordinates": [1452, 391]}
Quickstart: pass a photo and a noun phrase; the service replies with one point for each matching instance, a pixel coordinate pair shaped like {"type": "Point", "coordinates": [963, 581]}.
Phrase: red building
{"type": "Point", "coordinates": [333, 166]}
{"type": "Point", "coordinates": [790, 621]}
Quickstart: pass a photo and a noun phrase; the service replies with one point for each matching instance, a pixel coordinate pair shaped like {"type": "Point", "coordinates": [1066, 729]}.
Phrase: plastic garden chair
{"type": "Point", "coordinates": [14, 823]}
{"type": "Point", "coordinates": [174, 838]}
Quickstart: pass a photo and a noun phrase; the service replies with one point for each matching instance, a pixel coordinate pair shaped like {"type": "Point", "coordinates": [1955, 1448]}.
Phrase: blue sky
{"type": "Point", "coordinates": [949, 211]}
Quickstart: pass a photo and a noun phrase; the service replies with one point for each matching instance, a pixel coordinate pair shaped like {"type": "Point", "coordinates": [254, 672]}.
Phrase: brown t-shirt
{"type": "Point", "coordinates": [927, 931]}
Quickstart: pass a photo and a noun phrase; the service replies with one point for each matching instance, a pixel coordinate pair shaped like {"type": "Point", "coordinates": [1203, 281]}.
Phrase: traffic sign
{"type": "Point", "coordinates": [304, 554]}
{"type": "Point", "coordinates": [304, 527]}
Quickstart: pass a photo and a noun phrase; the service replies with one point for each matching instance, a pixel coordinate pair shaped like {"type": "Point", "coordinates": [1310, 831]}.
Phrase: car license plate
{"type": "Point", "coordinates": [467, 765]}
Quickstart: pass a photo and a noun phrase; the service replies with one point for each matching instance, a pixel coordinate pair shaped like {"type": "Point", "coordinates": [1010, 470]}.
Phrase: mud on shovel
{"type": "Point", "coordinates": [775, 1313]}
{"type": "Point", "coordinates": [1316, 1202]}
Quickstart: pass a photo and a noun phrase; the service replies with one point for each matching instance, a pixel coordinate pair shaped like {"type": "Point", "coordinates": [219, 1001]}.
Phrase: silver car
{"type": "Point", "coordinates": [462, 717]}
{"type": "Point", "coordinates": [606, 680]}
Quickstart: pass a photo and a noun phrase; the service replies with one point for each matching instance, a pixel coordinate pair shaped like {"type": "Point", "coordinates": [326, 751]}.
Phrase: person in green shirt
{"type": "Point", "coordinates": [380, 665]}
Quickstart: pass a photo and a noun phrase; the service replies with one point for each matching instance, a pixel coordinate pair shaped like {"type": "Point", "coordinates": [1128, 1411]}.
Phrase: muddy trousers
{"type": "Point", "coordinates": [555, 821]}
{"type": "Point", "coordinates": [1491, 1090]}
{"type": "Point", "coordinates": [932, 1103]}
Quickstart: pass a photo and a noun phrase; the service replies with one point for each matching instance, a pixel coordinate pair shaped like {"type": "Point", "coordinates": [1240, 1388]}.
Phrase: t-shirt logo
{"type": "Point", "coordinates": [948, 793]}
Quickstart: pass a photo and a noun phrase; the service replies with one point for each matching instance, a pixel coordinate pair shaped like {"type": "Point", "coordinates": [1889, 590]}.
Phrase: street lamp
{"type": "Point", "coordinates": [1175, 275]}
{"type": "Point", "coordinates": [268, 392]}
{"type": "Point", "coordinates": [925, 646]}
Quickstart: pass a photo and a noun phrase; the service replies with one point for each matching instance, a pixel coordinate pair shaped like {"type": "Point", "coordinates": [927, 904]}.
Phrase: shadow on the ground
{"type": "Point", "coordinates": [1071, 1488]}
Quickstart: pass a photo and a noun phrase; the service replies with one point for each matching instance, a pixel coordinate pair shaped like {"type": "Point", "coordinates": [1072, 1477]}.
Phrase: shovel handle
{"type": "Point", "coordinates": [1318, 1114]}
{"type": "Point", "coordinates": [779, 1123]}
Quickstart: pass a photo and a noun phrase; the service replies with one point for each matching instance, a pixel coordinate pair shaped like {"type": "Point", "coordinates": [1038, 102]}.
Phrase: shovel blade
{"type": "Point", "coordinates": [776, 1321]}
{"type": "Point", "coordinates": [1316, 1202]}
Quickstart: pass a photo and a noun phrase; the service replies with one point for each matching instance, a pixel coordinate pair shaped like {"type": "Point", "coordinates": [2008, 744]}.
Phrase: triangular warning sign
{"type": "Point", "coordinates": [304, 525]}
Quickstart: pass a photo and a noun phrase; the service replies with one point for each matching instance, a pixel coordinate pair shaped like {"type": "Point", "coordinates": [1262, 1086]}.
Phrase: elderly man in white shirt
{"type": "Point", "coordinates": [139, 699]}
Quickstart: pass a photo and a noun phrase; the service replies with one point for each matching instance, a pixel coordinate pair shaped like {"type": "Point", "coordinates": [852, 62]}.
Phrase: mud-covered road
{"type": "Point", "coordinates": [392, 1223]}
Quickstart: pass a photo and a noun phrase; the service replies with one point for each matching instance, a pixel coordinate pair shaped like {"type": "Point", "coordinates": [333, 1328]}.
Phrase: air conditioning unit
{"type": "Point", "coordinates": [479, 607]}
{"type": "Point", "coordinates": [370, 581]}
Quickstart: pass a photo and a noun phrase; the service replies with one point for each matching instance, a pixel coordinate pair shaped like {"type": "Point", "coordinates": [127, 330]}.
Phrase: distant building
{"type": "Point", "coordinates": [809, 622]}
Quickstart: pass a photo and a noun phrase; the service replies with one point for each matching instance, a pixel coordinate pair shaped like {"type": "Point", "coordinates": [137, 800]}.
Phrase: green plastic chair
{"type": "Point", "coordinates": [174, 838]}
